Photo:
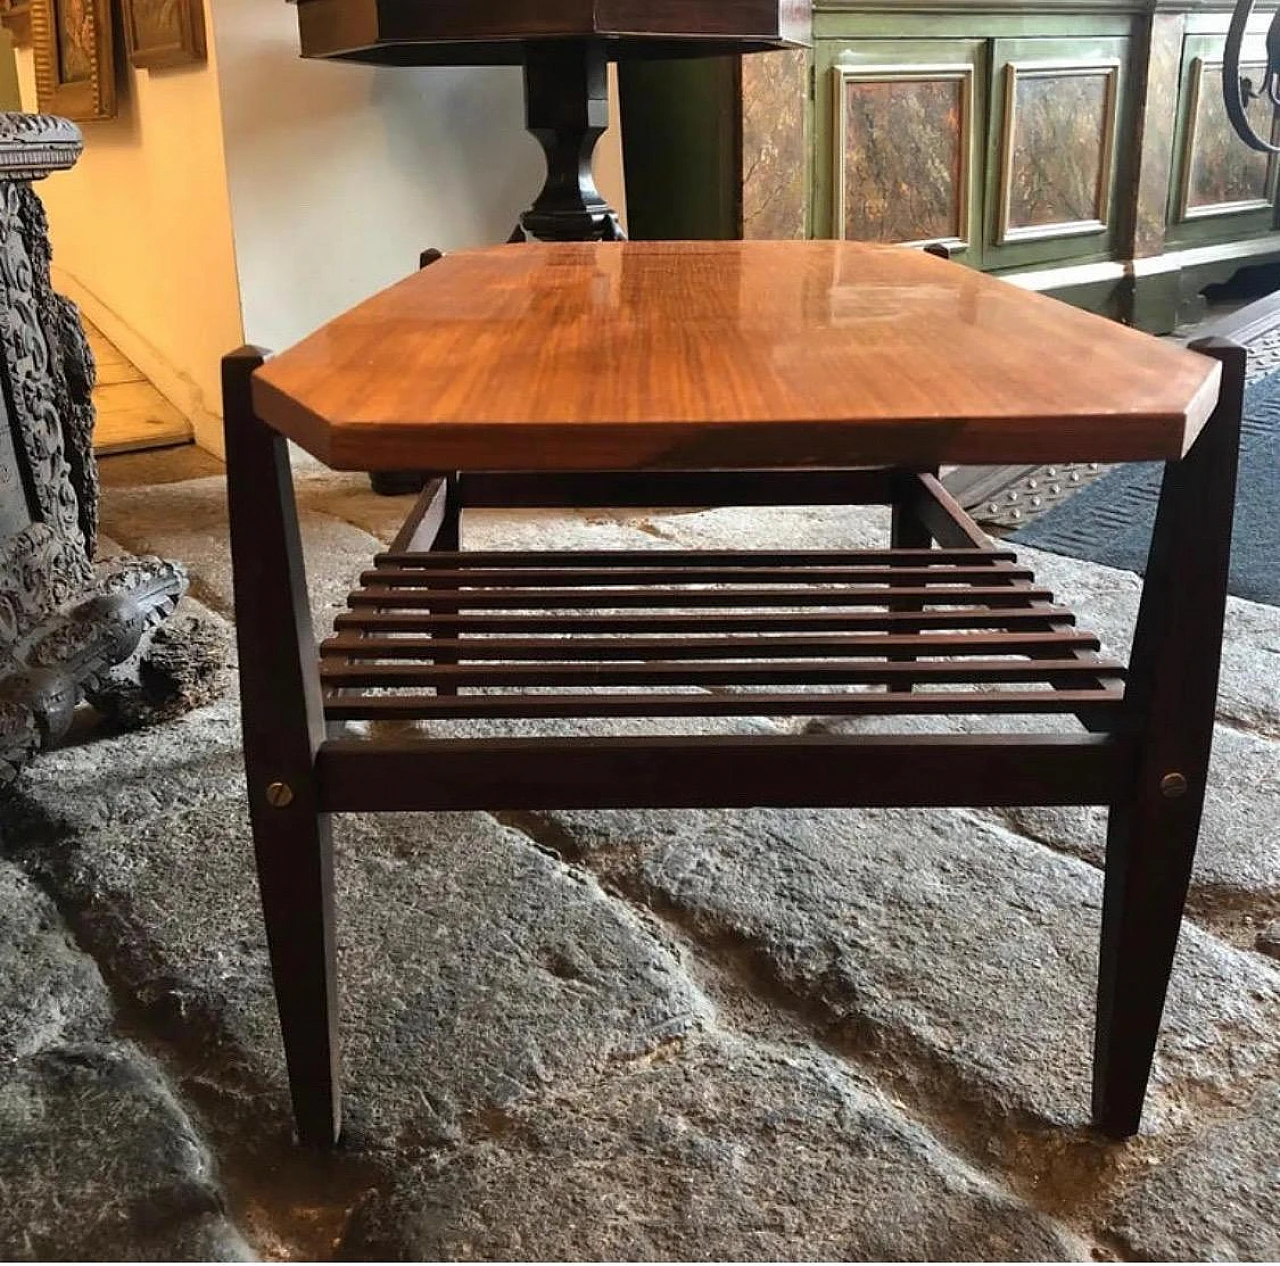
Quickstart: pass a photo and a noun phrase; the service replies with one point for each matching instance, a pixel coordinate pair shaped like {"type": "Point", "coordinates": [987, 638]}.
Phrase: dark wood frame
{"type": "Point", "coordinates": [186, 47]}
{"type": "Point", "coordinates": [1144, 752]}
{"type": "Point", "coordinates": [86, 100]}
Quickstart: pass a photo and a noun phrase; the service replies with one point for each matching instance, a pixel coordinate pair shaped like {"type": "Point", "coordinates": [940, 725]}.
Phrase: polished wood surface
{"type": "Point", "coordinates": [462, 32]}
{"type": "Point", "coordinates": [722, 354]}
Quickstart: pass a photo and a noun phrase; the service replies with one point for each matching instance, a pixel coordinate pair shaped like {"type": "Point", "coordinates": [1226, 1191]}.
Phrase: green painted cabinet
{"type": "Point", "coordinates": [1078, 147]}
{"type": "Point", "coordinates": [1004, 147]}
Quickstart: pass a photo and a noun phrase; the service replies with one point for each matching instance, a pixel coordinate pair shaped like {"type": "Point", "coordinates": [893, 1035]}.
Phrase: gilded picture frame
{"type": "Point", "coordinates": [73, 54]}
{"type": "Point", "coordinates": [159, 34]}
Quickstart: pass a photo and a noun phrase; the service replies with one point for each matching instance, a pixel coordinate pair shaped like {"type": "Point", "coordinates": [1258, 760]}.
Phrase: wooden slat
{"type": "Point", "coordinates": [584, 599]}
{"type": "Point", "coordinates": [942, 514]}
{"type": "Point", "coordinates": [699, 557]}
{"type": "Point", "coordinates": [423, 523]}
{"type": "Point", "coordinates": [798, 672]}
{"type": "Point", "coordinates": [699, 704]}
{"type": "Point", "coordinates": [855, 645]}
{"type": "Point", "coordinates": [656, 574]}
{"type": "Point", "coordinates": [1039, 617]}
{"type": "Point", "coordinates": [720, 772]}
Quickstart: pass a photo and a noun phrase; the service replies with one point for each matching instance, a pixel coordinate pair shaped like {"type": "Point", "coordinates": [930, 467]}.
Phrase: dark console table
{"type": "Point", "coordinates": [565, 48]}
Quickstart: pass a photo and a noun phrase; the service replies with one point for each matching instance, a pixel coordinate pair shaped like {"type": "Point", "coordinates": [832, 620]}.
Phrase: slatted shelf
{"type": "Point", "coordinates": [716, 633]}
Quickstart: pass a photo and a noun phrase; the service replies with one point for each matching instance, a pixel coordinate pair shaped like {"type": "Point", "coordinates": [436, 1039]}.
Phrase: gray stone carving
{"type": "Point", "coordinates": [68, 628]}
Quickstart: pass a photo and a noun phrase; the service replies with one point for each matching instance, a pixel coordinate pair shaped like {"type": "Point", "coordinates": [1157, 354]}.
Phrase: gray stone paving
{"type": "Point", "coordinates": [744, 1035]}
{"type": "Point", "coordinates": [97, 1158]}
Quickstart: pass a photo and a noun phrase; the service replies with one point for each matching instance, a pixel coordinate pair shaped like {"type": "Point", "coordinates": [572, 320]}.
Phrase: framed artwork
{"type": "Point", "coordinates": [162, 33]}
{"type": "Point", "coordinates": [71, 43]}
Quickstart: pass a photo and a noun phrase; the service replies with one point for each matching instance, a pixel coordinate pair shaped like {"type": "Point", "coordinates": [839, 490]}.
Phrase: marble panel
{"type": "Point", "coordinates": [903, 169]}
{"type": "Point", "coordinates": [1221, 171]}
{"type": "Point", "coordinates": [1159, 115]}
{"type": "Point", "coordinates": [1058, 133]}
{"type": "Point", "coordinates": [775, 145]}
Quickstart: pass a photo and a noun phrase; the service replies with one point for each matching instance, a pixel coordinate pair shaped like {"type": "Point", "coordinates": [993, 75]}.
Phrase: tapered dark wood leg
{"type": "Point", "coordinates": [1170, 699]}
{"type": "Point", "coordinates": [283, 728]}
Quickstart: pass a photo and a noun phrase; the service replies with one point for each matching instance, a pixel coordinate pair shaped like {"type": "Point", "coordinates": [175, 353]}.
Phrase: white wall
{"type": "Point", "coordinates": [141, 232]}
{"type": "Point", "coordinates": [341, 174]}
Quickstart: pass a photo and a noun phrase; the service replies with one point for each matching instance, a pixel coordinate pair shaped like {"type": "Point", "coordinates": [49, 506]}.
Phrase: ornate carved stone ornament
{"type": "Point", "coordinates": [68, 630]}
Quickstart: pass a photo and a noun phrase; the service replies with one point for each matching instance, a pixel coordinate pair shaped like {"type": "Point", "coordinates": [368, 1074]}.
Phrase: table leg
{"type": "Point", "coordinates": [283, 728]}
{"type": "Point", "coordinates": [1170, 700]}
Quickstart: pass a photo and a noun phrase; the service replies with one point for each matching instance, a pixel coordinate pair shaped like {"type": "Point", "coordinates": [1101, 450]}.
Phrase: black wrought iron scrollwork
{"type": "Point", "coordinates": [1238, 90]}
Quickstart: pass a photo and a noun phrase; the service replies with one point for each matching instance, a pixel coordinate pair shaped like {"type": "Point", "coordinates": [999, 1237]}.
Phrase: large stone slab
{"type": "Point", "coordinates": [725, 1151]}
{"type": "Point", "coordinates": [188, 521]}
{"type": "Point", "coordinates": [1268, 940]}
{"type": "Point", "coordinates": [959, 956]}
{"type": "Point", "coordinates": [475, 968]}
{"type": "Point", "coordinates": [775, 527]}
{"type": "Point", "coordinates": [349, 498]}
{"type": "Point", "coordinates": [1238, 855]}
{"type": "Point", "coordinates": [1106, 601]}
{"type": "Point", "coordinates": [1216, 1200]}
{"type": "Point", "coordinates": [97, 1160]}
{"type": "Point", "coordinates": [99, 1163]}
{"type": "Point", "coordinates": [50, 992]}
{"type": "Point", "coordinates": [104, 781]}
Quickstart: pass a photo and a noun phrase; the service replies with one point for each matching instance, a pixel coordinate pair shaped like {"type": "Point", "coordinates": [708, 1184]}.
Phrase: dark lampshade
{"type": "Point", "coordinates": [486, 32]}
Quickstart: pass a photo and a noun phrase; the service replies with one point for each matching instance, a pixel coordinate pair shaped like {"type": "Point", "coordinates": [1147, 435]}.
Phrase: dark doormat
{"type": "Point", "coordinates": [1110, 521]}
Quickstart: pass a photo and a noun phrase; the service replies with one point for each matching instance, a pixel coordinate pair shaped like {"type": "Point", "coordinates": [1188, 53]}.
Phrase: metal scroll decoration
{"type": "Point", "coordinates": [1239, 90]}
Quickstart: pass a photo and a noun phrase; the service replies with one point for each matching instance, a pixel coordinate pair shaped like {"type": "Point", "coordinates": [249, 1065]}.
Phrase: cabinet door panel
{"type": "Point", "coordinates": [1056, 116]}
{"type": "Point", "coordinates": [1221, 189]}
{"type": "Point", "coordinates": [903, 142]}
{"type": "Point", "coordinates": [1060, 124]}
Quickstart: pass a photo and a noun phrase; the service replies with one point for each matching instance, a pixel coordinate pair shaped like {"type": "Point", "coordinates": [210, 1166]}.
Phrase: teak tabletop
{"type": "Point", "coordinates": [706, 355]}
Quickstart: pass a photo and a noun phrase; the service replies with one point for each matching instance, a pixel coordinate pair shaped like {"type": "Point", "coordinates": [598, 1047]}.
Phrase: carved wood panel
{"type": "Point", "coordinates": [45, 564]}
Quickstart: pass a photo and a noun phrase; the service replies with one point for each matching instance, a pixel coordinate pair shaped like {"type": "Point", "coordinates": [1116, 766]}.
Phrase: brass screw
{"type": "Point", "coordinates": [1173, 785]}
{"type": "Point", "coordinates": [279, 795]}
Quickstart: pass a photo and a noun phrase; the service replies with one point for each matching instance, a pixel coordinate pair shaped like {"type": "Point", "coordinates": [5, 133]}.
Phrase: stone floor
{"type": "Point", "coordinates": [732, 1035]}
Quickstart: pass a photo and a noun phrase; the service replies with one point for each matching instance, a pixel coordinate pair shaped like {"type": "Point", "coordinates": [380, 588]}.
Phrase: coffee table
{"type": "Point", "coordinates": [695, 374]}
